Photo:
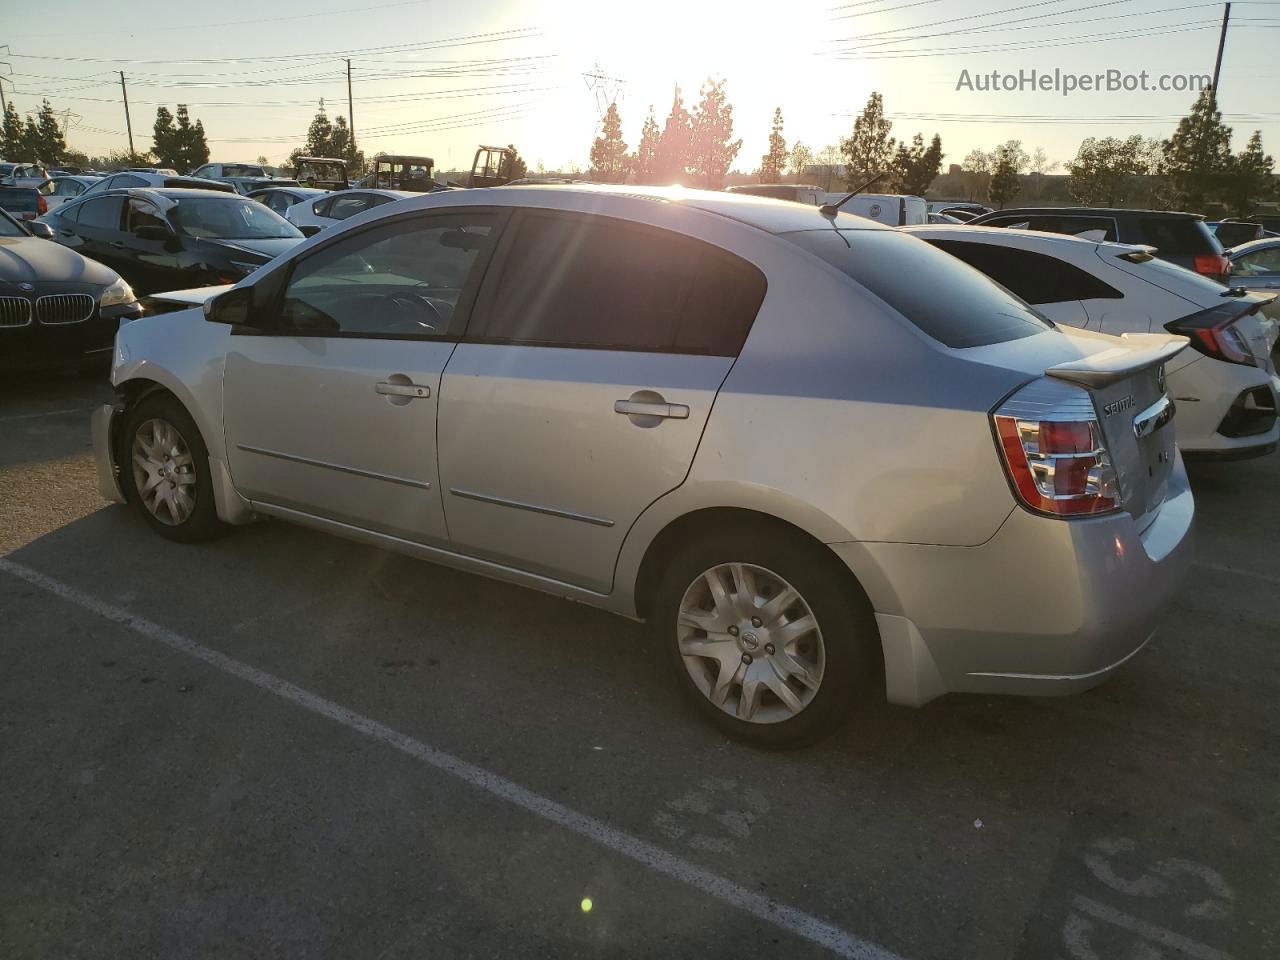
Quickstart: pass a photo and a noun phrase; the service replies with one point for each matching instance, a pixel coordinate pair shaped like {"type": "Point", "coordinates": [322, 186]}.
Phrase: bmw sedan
{"type": "Point", "coordinates": [821, 458]}
{"type": "Point", "coordinates": [57, 309]}
{"type": "Point", "coordinates": [171, 239]}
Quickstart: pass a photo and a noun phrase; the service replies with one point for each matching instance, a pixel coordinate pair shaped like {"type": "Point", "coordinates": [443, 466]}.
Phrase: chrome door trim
{"type": "Point", "coordinates": [531, 507]}
{"type": "Point", "coordinates": [1153, 418]}
{"type": "Point", "coordinates": [293, 457]}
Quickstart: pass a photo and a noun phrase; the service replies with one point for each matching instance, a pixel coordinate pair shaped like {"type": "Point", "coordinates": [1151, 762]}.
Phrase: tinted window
{"type": "Point", "coordinates": [1090, 228]}
{"type": "Point", "coordinates": [127, 180]}
{"type": "Point", "coordinates": [947, 299]}
{"type": "Point", "coordinates": [1035, 277]}
{"type": "Point", "coordinates": [101, 212]}
{"type": "Point", "coordinates": [242, 170]}
{"type": "Point", "coordinates": [348, 206]}
{"type": "Point", "coordinates": [583, 281]}
{"type": "Point", "coordinates": [140, 213]}
{"type": "Point", "coordinates": [321, 207]}
{"type": "Point", "coordinates": [10, 228]}
{"type": "Point", "coordinates": [1176, 237]}
{"type": "Point", "coordinates": [1257, 263]}
{"type": "Point", "coordinates": [19, 199]}
{"type": "Point", "coordinates": [229, 218]}
{"type": "Point", "coordinates": [398, 279]}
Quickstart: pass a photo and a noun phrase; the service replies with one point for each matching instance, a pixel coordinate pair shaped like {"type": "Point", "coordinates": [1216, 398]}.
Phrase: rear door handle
{"type": "Point", "coordinates": [410, 390]}
{"type": "Point", "coordinates": [644, 408]}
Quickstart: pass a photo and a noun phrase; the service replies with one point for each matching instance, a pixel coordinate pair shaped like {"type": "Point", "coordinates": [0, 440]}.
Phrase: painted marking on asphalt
{"type": "Point", "coordinates": [1264, 577]}
{"type": "Point", "coordinates": [49, 413]}
{"type": "Point", "coordinates": [1148, 931]}
{"type": "Point", "coordinates": [804, 925]}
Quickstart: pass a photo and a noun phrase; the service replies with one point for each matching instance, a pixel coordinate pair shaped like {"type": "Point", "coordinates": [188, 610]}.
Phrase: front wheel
{"type": "Point", "coordinates": [774, 642]}
{"type": "Point", "coordinates": [165, 467]}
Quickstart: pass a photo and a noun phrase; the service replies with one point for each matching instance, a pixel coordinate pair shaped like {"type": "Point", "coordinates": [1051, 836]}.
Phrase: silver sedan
{"type": "Point", "coordinates": [820, 457]}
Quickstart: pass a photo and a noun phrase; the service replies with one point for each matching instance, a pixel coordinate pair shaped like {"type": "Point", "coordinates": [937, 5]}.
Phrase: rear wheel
{"type": "Point", "coordinates": [773, 641]}
{"type": "Point", "coordinates": [165, 466]}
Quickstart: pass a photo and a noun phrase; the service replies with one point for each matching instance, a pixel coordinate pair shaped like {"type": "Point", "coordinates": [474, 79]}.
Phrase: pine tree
{"type": "Point", "coordinates": [1198, 155]}
{"type": "Point", "coordinates": [11, 135]}
{"type": "Point", "coordinates": [30, 139]}
{"type": "Point", "coordinates": [1004, 177]}
{"type": "Point", "coordinates": [915, 167]}
{"type": "Point", "coordinates": [342, 145]}
{"type": "Point", "coordinates": [50, 142]}
{"type": "Point", "coordinates": [190, 149]}
{"type": "Point", "coordinates": [164, 142]}
{"type": "Point", "coordinates": [609, 151]}
{"type": "Point", "coordinates": [645, 160]}
{"type": "Point", "coordinates": [672, 160]}
{"type": "Point", "coordinates": [514, 166]}
{"type": "Point", "coordinates": [870, 149]}
{"type": "Point", "coordinates": [1250, 178]}
{"type": "Point", "coordinates": [775, 161]}
{"type": "Point", "coordinates": [711, 151]}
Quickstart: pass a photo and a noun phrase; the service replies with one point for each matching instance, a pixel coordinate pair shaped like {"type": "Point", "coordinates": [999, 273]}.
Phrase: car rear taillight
{"type": "Point", "coordinates": [1213, 265]}
{"type": "Point", "coordinates": [42, 205]}
{"type": "Point", "coordinates": [1213, 332]}
{"type": "Point", "coordinates": [1054, 451]}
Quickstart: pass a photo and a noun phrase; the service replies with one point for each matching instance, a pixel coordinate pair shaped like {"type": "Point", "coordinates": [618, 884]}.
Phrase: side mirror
{"type": "Point", "coordinates": [153, 231]}
{"type": "Point", "coordinates": [233, 307]}
{"type": "Point", "coordinates": [38, 229]}
{"type": "Point", "coordinates": [310, 230]}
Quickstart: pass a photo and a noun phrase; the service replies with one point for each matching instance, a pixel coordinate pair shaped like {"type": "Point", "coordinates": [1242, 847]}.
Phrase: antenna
{"type": "Point", "coordinates": [831, 209]}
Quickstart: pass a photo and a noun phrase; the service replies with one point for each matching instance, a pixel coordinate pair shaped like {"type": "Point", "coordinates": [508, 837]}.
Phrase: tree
{"type": "Point", "coordinates": [915, 167]}
{"type": "Point", "coordinates": [1004, 175]}
{"type": "Point", "coordinates": [164, 139]}
{"type": "Point", "coordinates": [1198, 155]}
{"type": "Point", "coordinates": [50, 144]}
{"type": "Point", "coordinates": [319, 138]}
{"type": "Point", "coordinates": [799, 160]}
{"type": "Point", "coordinates": [1040, 163]}
{"type": "Point", "coordinates": [192, 149]}
{"type": "Point", "coordinates": [870, 149]}
{"type": "Point", "coordinates": [1017, 156]}
{"type": "Point", "coordinates": [775, 161]}
{"type": "Point", "coordinates": [514, 166]}
{"type": "Point", "coordinates": [609, 151]}
{"type": "Point", "coordinates": [1250, 176]}
{"type": "Point", "coordinates": [645, 160]}
{"type": "Point", "coordinates": [1103, 171]}
{"type": "Point", "coordinates": [675, 144]}
{"type": "Point", "coordinates": [711, 152]}
{"type": "Point", "coordinates": [829, 164]}
{"type": "Point", "coordinates": [12, 141]}
{"type": "Point", "coordinates": [343, 146]}
{"type": "Point", "coordinates": [976, 168]}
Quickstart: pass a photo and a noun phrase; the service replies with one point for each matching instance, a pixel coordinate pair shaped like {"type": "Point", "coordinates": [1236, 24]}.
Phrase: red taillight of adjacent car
{"type": "Point", "coordinates": [1213, 265]}
{"type": "Point", "coordinates": [1213, 332]}
{"type": "Point", "coordinates": [42, 205]}
{"type": "Point", "coordinates": [1057, 460]}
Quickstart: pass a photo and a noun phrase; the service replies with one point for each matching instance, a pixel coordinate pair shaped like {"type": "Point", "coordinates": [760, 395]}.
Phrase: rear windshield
{"type": "Point", "coordinates": [1177, 237]}
{"type": "Point", "coordinates": [945, 297]}
{"type": "Point", "coordinates": [19, 199]}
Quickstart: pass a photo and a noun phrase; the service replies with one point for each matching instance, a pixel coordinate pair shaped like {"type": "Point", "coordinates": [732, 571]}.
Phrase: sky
{"type": "Point", "coordinates": [438, 78]}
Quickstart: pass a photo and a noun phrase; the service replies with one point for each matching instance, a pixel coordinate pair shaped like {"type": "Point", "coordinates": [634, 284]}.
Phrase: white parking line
{"type": "Point", "coordinates": [1149, 931]}
{"type": "Point", "coordinates": [49, 413]}
{"type": "Point", "coordinates": [788, 918]}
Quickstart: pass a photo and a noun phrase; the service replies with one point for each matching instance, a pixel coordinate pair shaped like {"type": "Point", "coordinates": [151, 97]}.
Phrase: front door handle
{"type": "Point", "coordinates": [647, 408]}
{"type": "Point", "coordinates": [410, 390]}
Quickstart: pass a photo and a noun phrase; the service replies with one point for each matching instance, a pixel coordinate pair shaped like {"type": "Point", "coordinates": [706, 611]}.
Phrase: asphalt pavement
{"type": "Point", "coordinates": [284, 744]}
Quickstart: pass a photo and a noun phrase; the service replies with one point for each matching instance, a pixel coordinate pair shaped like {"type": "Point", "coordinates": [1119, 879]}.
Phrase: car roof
{"type": "Point", "coordinates": [1115, 212]}
{"type": "Point", "coordinates": [764, 213]}
{"type": "Point", "coordinates": [1253, 245]}
{"type": "Point", "coordinates": [172, 193]}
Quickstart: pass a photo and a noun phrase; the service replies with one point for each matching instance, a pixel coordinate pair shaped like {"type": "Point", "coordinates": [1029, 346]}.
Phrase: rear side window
{"type": "Point", "coordinates": [1036, 277]}
{"type": "Point", "coordinates": [1090, 228]}
{"type": "Point", "coordinates": [321, 207]}
{"type": "Point", "coordinates": [1176, 237]}
{"type": "Point", "coordinates": [127, 180]}
{"type": "Point", "coordinates": [102, 213]}
{"type": "Point", "coordinates": [570, 280]}
{"type": "Point", "coordinates": [947, 299]}
{"type": "Point", "coordinates": [349, 206]}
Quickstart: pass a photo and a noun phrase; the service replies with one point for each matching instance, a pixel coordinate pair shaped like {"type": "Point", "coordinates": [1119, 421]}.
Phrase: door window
{"type": "Point", "coordinates": [1035, 277]}
{"type": "Point", "coordinates": [142, 213]}
{"type": "Point", "coordinates": [1257, 264]}
{"type": "Point", "coordinates": [321, 207]}
{"type": "Point", "coordinates": [570, 280]}
{"type": "Point", "coordinates": [401, 279]}
{"type": "Point", "coordinates": [102, 213]}
{"type": "Point", "coordinates": [348, 206]}
{"type": "Point", "coordinates": [127, 180]}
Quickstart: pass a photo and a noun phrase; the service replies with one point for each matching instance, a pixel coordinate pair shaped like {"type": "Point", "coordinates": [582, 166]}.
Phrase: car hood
{"type": "Point", "coordinates": [262, 248]}
{"type": "Point", "coordinates": [32, 260]}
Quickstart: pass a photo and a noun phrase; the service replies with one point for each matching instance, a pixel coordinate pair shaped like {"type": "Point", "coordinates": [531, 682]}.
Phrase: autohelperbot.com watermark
{"type": "Point", "coordinates": [1066, 83]}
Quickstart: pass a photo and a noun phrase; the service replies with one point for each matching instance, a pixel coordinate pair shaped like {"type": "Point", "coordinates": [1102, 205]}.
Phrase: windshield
{"type": "Point", "coordinates": [9, 227]}
{"type": "Point", "coordinates": [958, 305]}
{"type": "Point", "coordinates": [242, 170]}
{"type": "Point", "coordinates": [225, 218]}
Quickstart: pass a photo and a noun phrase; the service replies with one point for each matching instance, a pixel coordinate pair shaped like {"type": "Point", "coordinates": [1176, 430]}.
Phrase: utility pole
{"type": "Point", "coordinates": [351, 111]}
{"type": "Point", "coordinates": [128, 124]}
{"type": "Point", "coordinates": [4, 104]}
{"type": "Point", "coordinates": [1222, 42]}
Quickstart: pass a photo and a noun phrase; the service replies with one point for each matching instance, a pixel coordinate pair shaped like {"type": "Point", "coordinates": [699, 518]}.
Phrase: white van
{"type": "Point", "coordinates": [797, 192]}
{"type": "Point", "coordinates": [891, 209]}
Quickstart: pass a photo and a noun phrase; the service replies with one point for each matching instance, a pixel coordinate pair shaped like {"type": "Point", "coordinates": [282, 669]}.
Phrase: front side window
{"type": "Point", "coordinates": [102, 213]}
{"type": "Point", "coordinates": [141, 213]}
{"type": "Point", "coordinates": [571, 280]}
{"type": "Point", "coordinates": [227, 218]}
{"type": "Point", "coordinates": [9, 227]}
{"type": "Point", "coordinates": [401, 279]}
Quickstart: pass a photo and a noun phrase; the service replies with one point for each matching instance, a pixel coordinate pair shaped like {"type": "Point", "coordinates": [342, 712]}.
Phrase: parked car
{"type": "Point", "coordinates": [129, 179]}
{"type": "Point", "coordinates": [890, 209]}
{"type": "Point", "coordinates": [909, 475]}
{"type": "Point", "coordinates": [1270, 220]}
{"type": "Point", "coordinates": [167, 239]}
{"type": "Point", "coordinates": [22, 174]}
{"type": "Point", "coordinates": [280, 199]}
{"type": "Point", "coordinates": [1181, 238]}
{"type": "Point", "coordinates": [795, 192]}
{"type": "Point", "coordinates": [58, 190]}
{"type": "Point", "coordinates": [340, 205]}
{"type": "Point", "coordinates": [962, 210]}
{"type": "Point", "coordinates": [156, 171]}
{"type": "Point", "coordinates": [219, 171]}
{"type": "Point", "coordinates": [1256, 267]}
{"type": "Point", "coordinates": [24, 203]}
{"type": "Point", "coordinates": [1232, 233]}
{"type": "Point", "coordinates": [57, 309]}
{"type": "Point", "coordinates": [943, 218]}
{"type": "Point", "coordinates": [1226, 388]}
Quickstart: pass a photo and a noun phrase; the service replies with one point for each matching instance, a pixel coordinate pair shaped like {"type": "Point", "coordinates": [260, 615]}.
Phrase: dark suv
{"type": "Point", "coordinates": [1181, 238]}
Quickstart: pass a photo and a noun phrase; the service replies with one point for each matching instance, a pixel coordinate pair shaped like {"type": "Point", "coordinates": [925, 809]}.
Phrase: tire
{"type": "Point", "coordinates": [169, 483]}
{"type": "Point", "coordinates": [842, 654]}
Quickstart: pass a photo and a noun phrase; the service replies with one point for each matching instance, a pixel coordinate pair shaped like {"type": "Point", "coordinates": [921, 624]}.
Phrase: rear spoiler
{"type": "Point", "coordinates": [1141, 350]}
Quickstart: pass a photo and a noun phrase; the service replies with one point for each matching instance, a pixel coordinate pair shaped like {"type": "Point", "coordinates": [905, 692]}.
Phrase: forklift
{"type": "Point", "coordinates": [398, 172]}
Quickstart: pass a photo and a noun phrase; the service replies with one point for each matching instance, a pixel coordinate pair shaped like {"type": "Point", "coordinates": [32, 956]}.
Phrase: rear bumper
{"type": "Point", "coordinates": [1046, 606]}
